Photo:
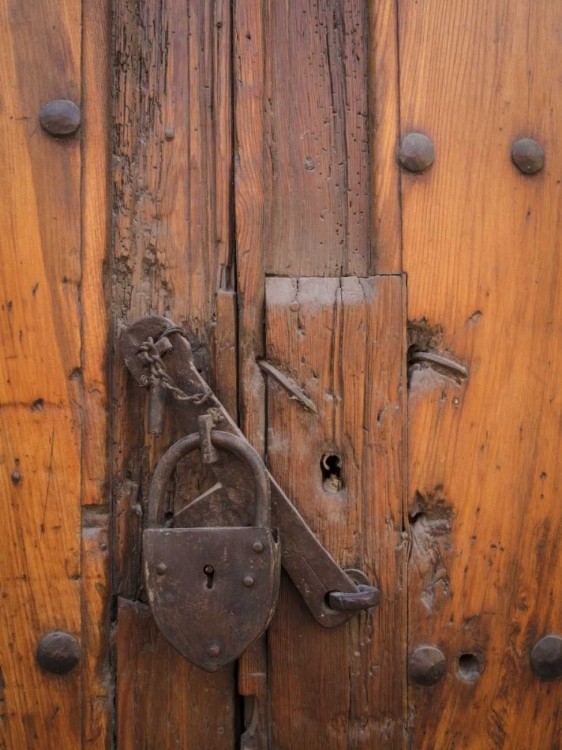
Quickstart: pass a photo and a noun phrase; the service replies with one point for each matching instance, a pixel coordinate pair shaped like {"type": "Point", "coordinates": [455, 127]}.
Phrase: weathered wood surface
{"type": "Point", "coordinates": [172, 164]}
{"type": "Point", "coordinates": [172, 708]}
{"type": "Point", "coordinates": [342, 341]}
{"type": "Point", "coordinates": [52, 395]}
{"type": "Point", "coordinates": [481, 249]}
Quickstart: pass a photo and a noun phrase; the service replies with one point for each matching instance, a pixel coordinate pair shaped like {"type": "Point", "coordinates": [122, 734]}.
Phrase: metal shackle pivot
{"type": "Point", "coordinates": [224, 441]}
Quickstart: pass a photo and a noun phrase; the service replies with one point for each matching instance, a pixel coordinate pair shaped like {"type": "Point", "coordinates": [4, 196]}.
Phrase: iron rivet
{"type": "Point", "coordinates": [546, 658]}
{"type": "Point", "coordinates": [295, 307]}
{"type": "Point", "coordinates": [161, 568]}
{"type": "Point", "coordinates": [528, 156]}
{"type": "Point", "coordinates": [169, 134]}
{"type": "Point", "coordinates": [58, 652]}
{"type": "Point", "coordinates": [60, 117]}
{"type": "Point", "coordinates": [249, 581]}
{"type": "Point", "coordinates": [214, 651]}
{"type": "Point", "coordinates": [416, 152]}
{"type": "Point", "coordinates": [426, 665]}
{"type": "Point", "coordinates": [258, 547]}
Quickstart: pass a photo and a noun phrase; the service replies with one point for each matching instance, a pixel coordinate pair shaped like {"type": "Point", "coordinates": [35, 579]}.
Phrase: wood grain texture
{"type": "Point", "coordinates": [40, 400]}
{"type": "Point", "coordinates": [481, 248]}
{"type": "Point", "coordinates": [172, 164]}
{"type": "Point", "coordinates": [316, 118]}
{"type": "Point", "coordinates": [342, 341]}
{"type": "Point", "coordinates": [157, 686]}
{"type": "Point", "coordinates": [97, 687]}
{"type": "Point", "coordinates": [384, 125]}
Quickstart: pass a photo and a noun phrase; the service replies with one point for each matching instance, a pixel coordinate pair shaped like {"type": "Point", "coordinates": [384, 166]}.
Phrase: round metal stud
{"type": "Point", "coordinates": [161, 569]}
{"type": "Point", "coordinates": [528, 156]}
{"type": "Point", "coordinates": [58, 652]}
{"type": "Point", "coordinates": [546, 658]}
{"type": "Point", "coordinates": [249, 581]}
{"type": "Point", "coordinates": [257, 547]}
{"type": "Point", "coordinates": [60, 117]}
{"type": "Point", "coordinates": [426, 665]}
{"type": "Point", "coordinates": [416, 152]}
{"type": "Point", "coordinates": [214, 651]}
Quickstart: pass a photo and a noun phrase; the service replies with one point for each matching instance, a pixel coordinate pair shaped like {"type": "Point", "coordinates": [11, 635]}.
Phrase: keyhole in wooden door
{"type": "Point", "coordinates": [209, 572]}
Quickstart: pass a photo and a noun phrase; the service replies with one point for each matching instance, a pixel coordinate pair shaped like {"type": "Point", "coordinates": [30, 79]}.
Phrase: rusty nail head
{"type": "Point", "coordinates": [214, 651]}
{"type": "Point", "coordinates": [416, 152]}
{"type": "Point", "coordinates": [528, 156]}
{"type": "Point", "coordinates": [546, 658]}
{"type": "Point", "coordinates": [257, 547]}
{"type": "Point", "coordinates": [295, 307]}
{"type": "Point", "coordinates": [161, 569]}
{"type": "Point", "coordinates": [60, 117]}
{"type": "Point", "coordinates": [426, 665]}
{"type": "Point", "coordinates": [249, 581]}
{"type": "Point", "coordinates": [169, 134]}
{"type": "Point", "coordinates": [58, 652]}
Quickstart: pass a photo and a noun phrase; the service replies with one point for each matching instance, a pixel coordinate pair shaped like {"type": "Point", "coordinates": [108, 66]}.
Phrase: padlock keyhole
{"type": "Point", "coordinates": [209, 572]}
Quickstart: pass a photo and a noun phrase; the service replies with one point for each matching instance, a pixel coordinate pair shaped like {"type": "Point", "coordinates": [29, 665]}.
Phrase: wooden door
{"type": "Point", "coordinates": [244, 168]}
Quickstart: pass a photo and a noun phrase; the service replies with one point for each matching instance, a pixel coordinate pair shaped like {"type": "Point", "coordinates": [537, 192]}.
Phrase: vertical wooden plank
{"type": "Point", "coordinates": [172, 177]}
{"type": "Point", "coordinates": [40, 400]}
{"type": "Point", "coordinates": [384, 125]}
{"type": "Point", "coordinates": [96, 599]}
{"type": "Point", "coordinates": [174, 713]}
{"type": "Point", "coordinates": [342, 342]}
{"type": "Point", "coordinates": [252, 188]}
{"type": "Point", "coordinates": [317, 130]}
{"type": "Point", "coordinates": [481, 248]}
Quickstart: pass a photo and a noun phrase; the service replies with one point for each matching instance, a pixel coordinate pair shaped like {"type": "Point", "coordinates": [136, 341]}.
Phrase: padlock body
{"type": "Point", "coordinates": [212, 591]}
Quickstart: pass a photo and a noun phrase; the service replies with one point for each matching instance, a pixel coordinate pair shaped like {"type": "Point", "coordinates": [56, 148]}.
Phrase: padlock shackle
{"type": "Point", "coordinates": [224, 441]}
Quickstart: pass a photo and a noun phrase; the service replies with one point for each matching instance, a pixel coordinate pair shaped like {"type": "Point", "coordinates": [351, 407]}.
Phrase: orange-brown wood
{"type": "Point", "coordinates": [342, 342]}
{"type": "Point", "coordinates": [40, 397]}
{"type": "Point", "coordinates": [172, 185]}
{"type": "Point", "coordinates": [384, 116]}
{"type": "Point", "coordinates": [481, 249]}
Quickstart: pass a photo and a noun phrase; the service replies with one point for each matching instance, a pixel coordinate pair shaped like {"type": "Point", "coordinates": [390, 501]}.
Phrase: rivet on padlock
{"type": "Point", "coordinates": [217, 595]}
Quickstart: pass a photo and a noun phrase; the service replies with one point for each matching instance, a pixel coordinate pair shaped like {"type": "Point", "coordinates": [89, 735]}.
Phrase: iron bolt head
{"type": "Point", "coordinates": [416, 152]}
{"type": "Point", "coordinates": [528, 156]}
{"type": "Point", "coordinates": [249, 581]}
{"type": "Point", "coordinates": [60, 117]}
{"type": "Point", "coordinates": [169, 134]}
{"type": "Point", "coordinates": [257, 547]}
{"type": "Point", "coordinates": [58, 652]}
{"type": "Point", "coordinates": [161, 568]}
{"type": "Point", "coordinates": [295, 306]}
{"type": "Point", "coordinates": [426, 665]}
{"type": "Point", "coordinates": [546, 658]}
{"type": "Point", "coordinates": [214, 650]}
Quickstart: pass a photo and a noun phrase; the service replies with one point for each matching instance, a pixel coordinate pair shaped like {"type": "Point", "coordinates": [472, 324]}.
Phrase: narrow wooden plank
{"type": "Point", "coordinates": [158, 688]}
{"type": "Point", "coordinates": [252, 220]}
{"type": "Point", "coordinates": [317, 129]}
{"type": "Point", "coordinates": [384, 128]}
{"type": "Point", "coordinates": [342, 341]}
{"type": "Point", "coordinates": [98, 684]}
{"type": "Point", "coordinates": [40, 401]}
{"type": "Point", "coordinates": [481, 248]}
{"type": "Point", "coordinates": [172, 185]}
{"type": "Point", "coordinates": [225, 360]}
{"type": "Point", "coordinates": [97, 688]}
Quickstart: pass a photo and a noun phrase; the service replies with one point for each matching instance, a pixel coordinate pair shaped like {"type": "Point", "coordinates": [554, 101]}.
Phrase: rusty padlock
{"type": "Point", "coordinates": [212, 591]}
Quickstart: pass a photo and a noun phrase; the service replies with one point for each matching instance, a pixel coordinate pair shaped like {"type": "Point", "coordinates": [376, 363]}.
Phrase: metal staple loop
{"type": "Point", "coordinates": [158, 372]}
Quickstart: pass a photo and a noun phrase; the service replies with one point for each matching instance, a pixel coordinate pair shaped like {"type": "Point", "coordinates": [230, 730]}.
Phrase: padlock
{"type": "Point", "coordinates": [212, 591]}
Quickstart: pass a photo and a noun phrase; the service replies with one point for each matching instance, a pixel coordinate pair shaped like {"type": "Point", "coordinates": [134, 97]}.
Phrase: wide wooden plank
{"type": "Point", "coordinates": [481, 248]}
{"type": "Point", "coordinates": [40, 400]}
{"type": "Point", "coordinates": [342, 342]}
{"type": "Point", "coordinates": [172, 166]}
